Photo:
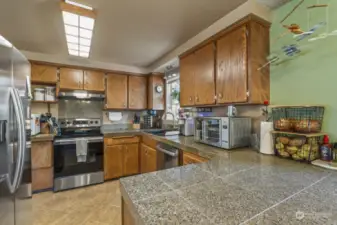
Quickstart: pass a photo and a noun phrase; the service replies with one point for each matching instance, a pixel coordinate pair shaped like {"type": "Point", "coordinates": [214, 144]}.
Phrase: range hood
{"type": "Point", "coordinates": [82, 95]}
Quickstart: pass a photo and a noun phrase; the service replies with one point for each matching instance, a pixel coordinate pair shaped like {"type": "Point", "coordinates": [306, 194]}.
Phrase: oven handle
{"type": "Point", "coordinates": [167, 152]}
{"type": "Point", "coordinates": [73, 140]}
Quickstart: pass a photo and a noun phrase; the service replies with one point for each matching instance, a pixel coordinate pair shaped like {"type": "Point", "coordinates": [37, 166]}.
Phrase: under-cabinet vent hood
{"type": "Point", "coordinates": [84, 95]}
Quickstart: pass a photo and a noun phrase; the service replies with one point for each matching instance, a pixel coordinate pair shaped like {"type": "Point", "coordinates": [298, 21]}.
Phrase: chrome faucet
{"type": "Point", "coordinates": [165, 117]}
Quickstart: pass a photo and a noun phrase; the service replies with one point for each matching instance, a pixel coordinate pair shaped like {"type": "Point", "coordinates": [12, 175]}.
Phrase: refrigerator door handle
{"type": "Point", "coordinates": [22, 133]}
{"type": "Point", "coordinates": [29, 88]}
{"type": "Point", "coordinates": [13, 186]}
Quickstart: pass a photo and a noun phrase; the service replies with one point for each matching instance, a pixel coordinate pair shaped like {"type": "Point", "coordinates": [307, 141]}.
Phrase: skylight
{"type": "Point", "coordinates": [78, 25]}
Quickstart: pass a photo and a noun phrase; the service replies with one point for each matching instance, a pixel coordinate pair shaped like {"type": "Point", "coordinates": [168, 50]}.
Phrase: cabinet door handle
{"type": "Point", "coordinates": [196, 98]}
{"type": "Point", "coordinates": [220, 96]}
{"type": "Point", "coordinates": [124, 104]}
{"type": "Point", "coordinates": [190, 98]}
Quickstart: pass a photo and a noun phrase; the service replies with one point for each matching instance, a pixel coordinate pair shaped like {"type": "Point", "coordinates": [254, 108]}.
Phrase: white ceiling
{"type": "Point", "coordinates": [130, 32]}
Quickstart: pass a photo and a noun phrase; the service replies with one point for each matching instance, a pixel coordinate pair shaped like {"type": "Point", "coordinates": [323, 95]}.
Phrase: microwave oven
{"type": "Point", "coordinates": [223, 132]}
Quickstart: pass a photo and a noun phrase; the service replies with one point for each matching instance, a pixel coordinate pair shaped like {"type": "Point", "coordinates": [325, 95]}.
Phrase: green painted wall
{"type": "Point", "coordinates": [311, 77]}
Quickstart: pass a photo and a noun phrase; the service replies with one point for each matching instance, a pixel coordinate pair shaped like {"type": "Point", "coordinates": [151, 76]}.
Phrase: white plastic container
{"type": "Point", "coordinates": [50, 94]}
{"type": "Point", "coordinates": [39, 94]}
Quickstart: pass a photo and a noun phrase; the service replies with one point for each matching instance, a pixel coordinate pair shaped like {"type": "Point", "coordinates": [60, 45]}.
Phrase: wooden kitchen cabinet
{"type": "Point", "coordinates": [116, 91]}
{"type": "Point", "coordinates": [148, 159]}
{"type": "Point", "coordinates": [131, 159]}
{"type": "Point", "coordinates": [156, 99]}
{"type": "Point", "coordinates": [94, 81]}
{"type": "Point", "coordinates": [137, 89]}
{"type": "Point", "coordinates": [71, 79]}
{"type": "Point", "coordinates": [187, 67]}
{"type": "Point", "coordinates": [113, 161]}
{"type": "Point", "coordinates": [232, 67]}
{"type": "Point", "coordinates": [225, 68]}
{"type": "Point", "coordinates": [204, 87]}
{"type": "Point", "coordinates": [43, 74]}
{"type": "Point", "coordinates": [42, 179]}
{"type": "Point", "coordinates": [189, 158]}
{"type": "Point", "coordinates": [42, 154]}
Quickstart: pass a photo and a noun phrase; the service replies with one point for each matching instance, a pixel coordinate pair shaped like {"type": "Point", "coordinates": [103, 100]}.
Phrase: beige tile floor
{"type": "Point", "coordinates": [93, 205]}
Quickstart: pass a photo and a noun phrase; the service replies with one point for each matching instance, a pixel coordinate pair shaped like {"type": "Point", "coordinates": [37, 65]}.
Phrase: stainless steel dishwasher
{"type": "Point", "coordinates": [167, 156]}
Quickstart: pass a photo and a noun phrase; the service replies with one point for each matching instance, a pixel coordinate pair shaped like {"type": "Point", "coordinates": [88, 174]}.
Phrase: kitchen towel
{"type": "Point", "coordinates": [266, 139]}
{"type": "Point", "coordinates": [81, 149]}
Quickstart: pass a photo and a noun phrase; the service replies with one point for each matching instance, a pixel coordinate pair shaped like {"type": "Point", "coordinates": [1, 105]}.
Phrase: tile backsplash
{"type": "Point", "coordinates": [80, 109]}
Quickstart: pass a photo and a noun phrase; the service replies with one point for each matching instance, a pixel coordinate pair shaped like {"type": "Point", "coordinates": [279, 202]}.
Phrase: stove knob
{"type": "Point", "coordinates": [62, 123]}
{"type": "Point", "coordinates": [91, 122]}
{"type": "Point", "coordinates": [96, 122]}
{"type": "Point", "coordinates": [68, 122]}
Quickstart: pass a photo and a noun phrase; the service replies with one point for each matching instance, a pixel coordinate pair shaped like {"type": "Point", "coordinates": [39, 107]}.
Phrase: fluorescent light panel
{"type": "Point", "coordinates": [78, 31]}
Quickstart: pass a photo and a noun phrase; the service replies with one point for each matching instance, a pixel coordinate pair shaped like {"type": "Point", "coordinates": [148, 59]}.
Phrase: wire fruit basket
{"type": "Point", "coordinates": [299, 147]}
{"type": "Point", "coordinates": [301, 119]}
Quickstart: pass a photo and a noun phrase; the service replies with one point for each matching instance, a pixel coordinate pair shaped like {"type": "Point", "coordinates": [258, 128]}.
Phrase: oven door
{"type": "Point", "coordinates": [69, 172]}
{"type": "Point", "coordinates": [211, 131]}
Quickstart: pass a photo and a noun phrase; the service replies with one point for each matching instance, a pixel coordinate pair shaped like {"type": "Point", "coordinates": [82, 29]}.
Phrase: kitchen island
{"type": "Point", "coordinates": [233, 187]}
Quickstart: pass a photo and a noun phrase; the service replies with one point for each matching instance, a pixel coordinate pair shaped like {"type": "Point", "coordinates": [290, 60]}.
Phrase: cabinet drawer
{"type": "Point", "coordinates": [42, 154]}
{"type": "Point", "coordinates": [121, 140]}
{"type": "Point", "coordinates": [42, 178]}
{"type": "Point", "coordinates": [189, 158]}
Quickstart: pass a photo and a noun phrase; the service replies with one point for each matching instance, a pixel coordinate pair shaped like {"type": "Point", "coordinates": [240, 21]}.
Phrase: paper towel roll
{"type": "Point", "coordinates": [266, 138]}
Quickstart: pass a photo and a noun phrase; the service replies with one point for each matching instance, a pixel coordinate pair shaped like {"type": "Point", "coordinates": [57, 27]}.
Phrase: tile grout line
{"type": "Point", "coordinates": [187, 201]}
{"type": "Point", "coordinates": [289, 197]}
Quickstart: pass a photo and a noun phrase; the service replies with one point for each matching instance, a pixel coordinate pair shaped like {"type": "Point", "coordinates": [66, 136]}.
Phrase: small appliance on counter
{"type": "Point", "coordinates": [186, 126]}
{"type": "Point", "coordinates": [35, 126]}
{"type": "Point", "coordinates": [223, 132]}
{"type": "Point", "coordinates": [151, 120]}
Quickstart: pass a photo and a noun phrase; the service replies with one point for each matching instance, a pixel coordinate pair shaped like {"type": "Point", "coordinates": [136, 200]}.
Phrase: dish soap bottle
{"type": "Point", "coordinates": [326, 149]}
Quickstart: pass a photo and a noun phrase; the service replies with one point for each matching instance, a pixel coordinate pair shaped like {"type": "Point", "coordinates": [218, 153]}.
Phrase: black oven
{"type": "Point", "coordinates": [68, 172]}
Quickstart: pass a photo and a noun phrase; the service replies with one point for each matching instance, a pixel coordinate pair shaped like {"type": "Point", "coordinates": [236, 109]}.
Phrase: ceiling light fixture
{"type": "Point", "coordinates": [79, 21]}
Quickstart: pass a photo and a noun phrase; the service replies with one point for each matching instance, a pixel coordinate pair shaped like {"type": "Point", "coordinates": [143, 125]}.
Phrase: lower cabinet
{"type": "Point", "coordinates": [113, 161]}
{"type": "Point", "coordinates": [42, 165]}
{"type": "Point", "coordinates": [189, 158]}
{"type": "Point", "coordinates": [121, 160]}
{"type": "Point", "coordinates": [131, 159]}
{"type": "Point", "coordinates": [148, 159]}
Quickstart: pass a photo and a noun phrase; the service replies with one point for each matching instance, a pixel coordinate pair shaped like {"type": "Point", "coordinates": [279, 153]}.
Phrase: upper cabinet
{"type": "Point", "coordinates": [197, 85]}
{"type": "Point", "coordinates": [77, 79]}
{"type": "Point", "coordinates": [44, 74]}
{"type": "Point", "coordinates": [204, 75]}
{"type": "Point", "coordinates": [71, 79]}
{"type": "Point", "coordinates": [116, 91]}
{"type": "Point", "coordinates": [225, 71]}
{"type": "Point", "coordinates": [231, 79]}
{"type": "Point", "coordinates": [93, 81]}
{"type": "Point", "coordinates": [156, 92]}
{"type": "Point", "coordinates": [137, 92]}
{"type": "Point", "coordinates": [187, 67]}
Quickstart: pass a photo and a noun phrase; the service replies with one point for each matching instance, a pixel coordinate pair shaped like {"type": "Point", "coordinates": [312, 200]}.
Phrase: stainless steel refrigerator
{"type": "Point", "coordinates": [15, 162]}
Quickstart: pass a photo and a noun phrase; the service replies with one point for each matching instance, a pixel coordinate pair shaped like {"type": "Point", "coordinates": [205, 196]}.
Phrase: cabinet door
{"type": "Point", "coordinates": [155, 98]}
{"type": "Point", "coordinates": [204, 87]}
{"type": "Point", "coordinates": [137, 92]}
{"type": "Point", "coordinates": [71, 79]}
{"type": "Point", "coordinates": [131, 159]}
{"type": "Point", "coordinates": [113, 161]}
{"type": "Point", "coordinates": [148, 159]}
{"type": "Point", "coordinates": [187, 67]}
{"type": "Point", "coordinates": [116, 91]}
{"type": "Point", "coordinates": [42, 178]}
{"type": "Point", "coordinates": [94, 81]}
{"type": "Point", "coordinates": [43, 74]}
{"type": "Point", "coordinates": [232, 67]}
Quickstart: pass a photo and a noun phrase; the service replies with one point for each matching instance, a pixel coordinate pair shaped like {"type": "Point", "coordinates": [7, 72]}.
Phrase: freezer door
{"type": "Point", "coordinates": [6, 197]}
{"type": "Point", "coordinates": [21, 83]}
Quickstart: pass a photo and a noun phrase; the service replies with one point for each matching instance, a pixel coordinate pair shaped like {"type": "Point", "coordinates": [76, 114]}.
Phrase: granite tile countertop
{"type": "Point", "coordinates": [42, 137]}
{"type": "Point", "coordinates": [234, 187]}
